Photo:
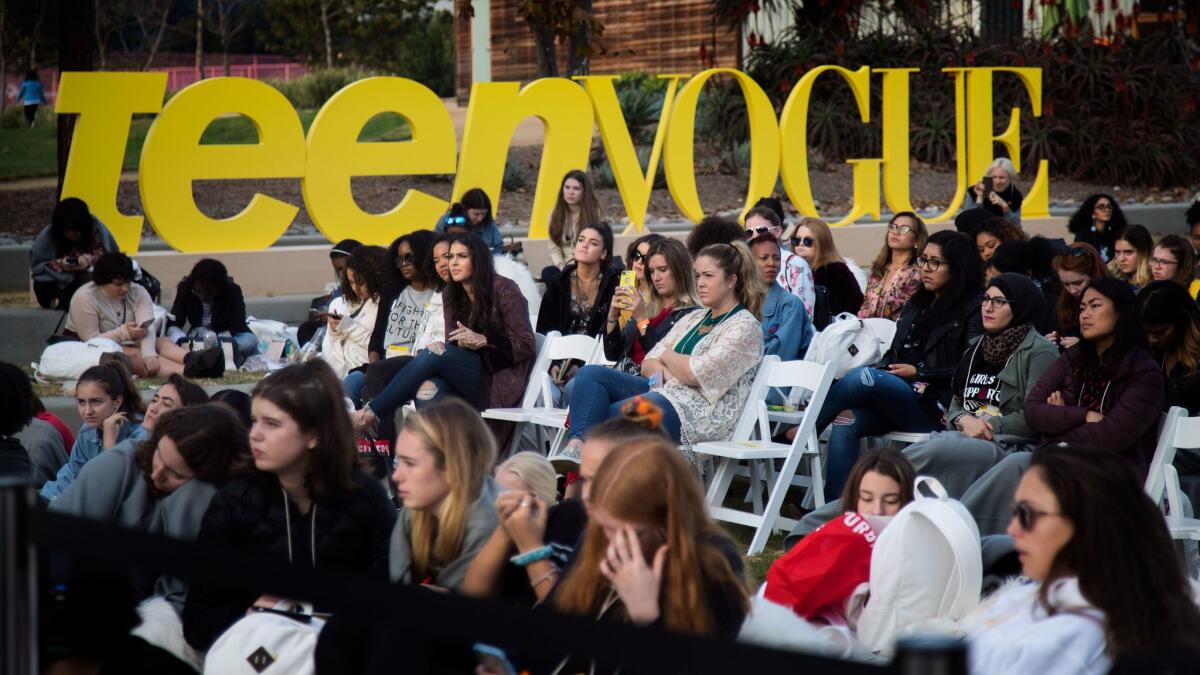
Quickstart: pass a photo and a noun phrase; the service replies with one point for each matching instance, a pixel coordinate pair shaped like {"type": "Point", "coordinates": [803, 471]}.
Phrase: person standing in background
{"type": "Point", "coordinates": [31, 95]}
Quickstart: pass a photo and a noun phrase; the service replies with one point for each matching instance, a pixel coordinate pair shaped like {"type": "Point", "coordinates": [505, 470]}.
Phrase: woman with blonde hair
{"type": "Point", "coordinates": [576, 207]}
{"type": "Point", "coordinates": [444, 457]}
{"type": "Point", "coordinates": [1131, 256]}
{"type": "Point", "coordinates": [894, 276]}
{"type": "Point", "coordinates": [651, 554]}
{"type": "Point", "coordinates": [813, 241]}
{"type": "Point", "coordinates": [528, 472]}
{"type": "Point", "coordinates": [668, 273]}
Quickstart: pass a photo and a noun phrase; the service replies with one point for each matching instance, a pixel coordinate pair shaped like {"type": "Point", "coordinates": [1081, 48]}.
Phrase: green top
{"type": "Point", "coordinates": [702, 329]}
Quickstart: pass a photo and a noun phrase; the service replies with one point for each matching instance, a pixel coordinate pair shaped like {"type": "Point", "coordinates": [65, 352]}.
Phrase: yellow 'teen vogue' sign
{"type": "Point", "coordinates": [325, 161]}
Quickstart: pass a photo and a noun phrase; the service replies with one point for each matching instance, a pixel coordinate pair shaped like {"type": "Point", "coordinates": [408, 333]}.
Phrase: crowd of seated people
{"type": "Point", "coordinates": [1038, 371]}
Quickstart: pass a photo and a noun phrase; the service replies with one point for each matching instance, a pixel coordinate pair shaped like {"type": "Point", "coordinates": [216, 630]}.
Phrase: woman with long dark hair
{"type": "Point", "coordinates": [894, 276]}
{"type": "Point", "coordinates": [1172, 326]}
{"type": "Point", "coordinates": [910, 388]}
{"type": "Point", "coordinates": [1131, 256]}
{"type": "Point", "coordinates": [992, 232]}
{"type": "Point", "coordinates": [575, 208]}
{"type": "Point", "coordinates": [207, 299]}
{"type": "Point", "coordinates": [473, 213]}
{"type": "Point", "coordinates": [352, 316]}
{"type": "Point", "coordinates": [306, 503]}
{"type": "Point", "coordinates": [402, 307]}
{"type": "Point", "coordinates": [577, 302]}
{"type": "Point", "coordinates": [1104, 578]}
{"type": "Point", "coordinates": [107, 400]}
{"type": "Point", "coordinates": [489, 342]}
{"type": "Point", "coordinates": [61, 256]}
{"type": "Point", "coordinates": [1075, 267]}
{"type": "Point", "coordinates": [1097, 222]}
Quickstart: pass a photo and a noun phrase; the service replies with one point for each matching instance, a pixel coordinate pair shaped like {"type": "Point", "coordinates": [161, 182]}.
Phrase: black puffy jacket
{"type": "Point", "coordinates": [940, 351]}
{"type": "Point", "coordinates": [228, 309]}
{"type": "Point", "coordinates": [352, 534]}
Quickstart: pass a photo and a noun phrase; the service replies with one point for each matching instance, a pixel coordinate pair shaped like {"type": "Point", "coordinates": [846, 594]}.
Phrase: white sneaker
{"type": "Point", "coordinates": [565, 459]}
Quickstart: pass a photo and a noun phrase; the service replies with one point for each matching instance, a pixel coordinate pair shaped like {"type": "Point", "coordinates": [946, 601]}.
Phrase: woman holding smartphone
{"type": "Point", "coordinates": [667, 271]}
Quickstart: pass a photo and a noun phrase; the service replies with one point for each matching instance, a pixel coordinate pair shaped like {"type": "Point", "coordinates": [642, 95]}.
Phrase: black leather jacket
{"type": "Point", "coordinates": [941, 351]}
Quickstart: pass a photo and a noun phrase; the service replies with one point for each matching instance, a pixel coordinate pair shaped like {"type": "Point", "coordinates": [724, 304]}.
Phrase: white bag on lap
{"type": "Point", "coordinates": [266, 643]}
{"type": "Point", "coordinates": [926, 565]}
{"type": "Point", "coordinates": [850, 342]}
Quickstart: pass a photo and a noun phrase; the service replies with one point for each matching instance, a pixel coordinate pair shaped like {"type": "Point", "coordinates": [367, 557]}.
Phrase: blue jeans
{"type": "Point", "coordinates": [460, 369]}
{"type": "Point", "coordinates": [353, 385]}
{"type": "Point", "coordinates": [880, 402]}
{"type": "Point", "coordinates": [599, 393]}
{"type": "Point", "coordinates": [247, 343]}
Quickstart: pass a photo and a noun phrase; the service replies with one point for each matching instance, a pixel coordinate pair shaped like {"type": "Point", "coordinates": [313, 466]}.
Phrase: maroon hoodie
{"type": "Point", "coordinates": [1131, 406]}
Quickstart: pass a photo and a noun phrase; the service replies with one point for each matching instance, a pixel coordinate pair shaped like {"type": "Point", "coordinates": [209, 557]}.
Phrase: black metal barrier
{"type": "Point", "coordinates": [26, 530]}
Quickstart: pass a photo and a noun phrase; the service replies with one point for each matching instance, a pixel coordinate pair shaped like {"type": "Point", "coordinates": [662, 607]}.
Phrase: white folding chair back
{"type": "Point", "coordinates": [1178, 431]}
{"type": "Point", "coordinates": [1164, 453]}
{"type": "Point", "coordinates": [814, 377]}
{"type": "Point", "coordinates": [533, 391]}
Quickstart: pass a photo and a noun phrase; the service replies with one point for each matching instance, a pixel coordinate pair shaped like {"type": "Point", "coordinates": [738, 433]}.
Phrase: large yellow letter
{"type": "Point", "coordinates": [105, 103]}
{"type": "Point", "coordinates": [493, 114]}
{"type": "Point", "coordinates": [335, 155]}
{"type": "Point", "coordinates": [633, 183]}
{"type": "Point", "coordinates": [793, 124]}
{"type": "Point", "coordinates": [980, 137]}
{"type": "Point", "coordinates": [678, 158]}
{"type": "Point", "coordinates": [895, 142]}
{"type": "Point", "coordinates": [172, 158]}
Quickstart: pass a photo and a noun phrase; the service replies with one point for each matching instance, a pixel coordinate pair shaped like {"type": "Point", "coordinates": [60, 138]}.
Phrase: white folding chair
{"type": "Point", "coordinates": [538, 400]}
{"type": "Point", "coordinates": [814, 377]}
{"type": "Point", "coordinates": [1178, 431]}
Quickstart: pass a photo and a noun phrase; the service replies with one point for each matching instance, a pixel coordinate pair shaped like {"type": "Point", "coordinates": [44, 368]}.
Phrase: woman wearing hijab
{"type": "Point", "coordinates": [986, 420]}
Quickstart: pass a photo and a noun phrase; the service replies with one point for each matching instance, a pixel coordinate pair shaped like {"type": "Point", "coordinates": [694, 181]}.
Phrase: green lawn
{"type": "Point", "coordinates": [27, 153]}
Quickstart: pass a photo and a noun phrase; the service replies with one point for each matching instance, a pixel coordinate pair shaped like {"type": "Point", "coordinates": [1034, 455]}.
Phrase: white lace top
{"type": "Point", "coordinates": [724, 363]}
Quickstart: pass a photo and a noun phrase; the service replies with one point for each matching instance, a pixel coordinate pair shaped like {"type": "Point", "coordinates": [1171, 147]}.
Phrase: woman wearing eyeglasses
{"type": "Point", "coordinates": [894, 277]}
{"type": "Point", "coordinates": [813, 241]}
{"type": "Point", "coordinates": [1104, 579]}
{"type": "Point", "coordinates": [1107, 392]}
{"type": "Point", "coordinates": [986, 420]}
{"type": "Point", "coordinates": [1098, 222]}
{"type": "Point", "coordinates": [1075, 269]}
{"type": "Point", "coordinates": [402, 304]}
{"type": "Point", "coordinates": [909, 390]}
{"type": "Point", "coordinates": [1174, 260]}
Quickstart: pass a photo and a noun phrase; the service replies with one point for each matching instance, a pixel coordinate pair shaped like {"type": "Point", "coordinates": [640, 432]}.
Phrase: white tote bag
{"type": "Point", "coordinates": [850, 342]}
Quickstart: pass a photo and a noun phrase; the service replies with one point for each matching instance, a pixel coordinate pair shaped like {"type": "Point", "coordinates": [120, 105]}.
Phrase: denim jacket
{"type": "Point", "coordinates": [786, 326]}
{"type": "Point", "coordinates": [88, 444]}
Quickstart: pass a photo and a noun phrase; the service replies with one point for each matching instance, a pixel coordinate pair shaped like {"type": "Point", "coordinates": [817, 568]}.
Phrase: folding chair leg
{"type": "Point", "coordinates": [755, 487]}
{"type": "Point", "coordinates": [515, 444]}
{"type": "Point", "coordinates": [774, 502]}
{"type": "Point", "coordinates": [722, 477]}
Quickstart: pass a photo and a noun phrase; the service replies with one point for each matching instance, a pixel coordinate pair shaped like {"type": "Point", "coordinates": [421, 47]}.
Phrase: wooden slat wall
{"type": "Point", "coordinates": [658, 36]}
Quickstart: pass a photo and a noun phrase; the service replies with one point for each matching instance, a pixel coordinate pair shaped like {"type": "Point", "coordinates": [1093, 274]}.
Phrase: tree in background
{"type": "Point", "coordinates": [571, 22]}
{"type": "Point", "coordinates": [226, 20]}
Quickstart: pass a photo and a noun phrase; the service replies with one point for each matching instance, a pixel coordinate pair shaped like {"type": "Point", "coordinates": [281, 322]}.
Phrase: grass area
{"type": "Point", "coordinates": [756, 566]}
{"type": "Point", "coordinates": [29, 153]}
{"type": "Point", "coordinates": [152, 383]}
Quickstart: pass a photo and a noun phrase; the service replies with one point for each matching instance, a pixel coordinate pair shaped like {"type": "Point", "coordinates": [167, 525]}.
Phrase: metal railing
{"type": "Point", "coordinates": [27, 531]}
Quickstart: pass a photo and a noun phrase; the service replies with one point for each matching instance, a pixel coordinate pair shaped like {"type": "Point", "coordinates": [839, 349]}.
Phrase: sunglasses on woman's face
{"type": "Point", "coordinates": [1027, 516]}
{"type": "Point", "coordinates": [900, 229]}
{"type": "Point", "coordinates": [806, 242]}
{"type": "Point", "coordinates": [637, 256]}
{"type": "Point", "coordinates": [406, 259]}
{"type": "Point", "coordinates": [752, 232]}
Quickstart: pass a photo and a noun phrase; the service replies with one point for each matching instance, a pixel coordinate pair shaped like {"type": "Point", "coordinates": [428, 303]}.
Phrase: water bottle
{"type": "Point", "coordinates": [209, 338]}
{"type": "Point", "coordinates": [310, 348]}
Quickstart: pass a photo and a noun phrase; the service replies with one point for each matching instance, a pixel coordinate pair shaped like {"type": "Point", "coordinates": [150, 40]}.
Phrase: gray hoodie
{"type": "Point", "coordinates": [481, 522]}
{"type": "Point", "coordinates": [112, 488]}
{"type": "Point", "coordinates": [46, 450]}
{"type": "Point", "coordinates": [42, 253]}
